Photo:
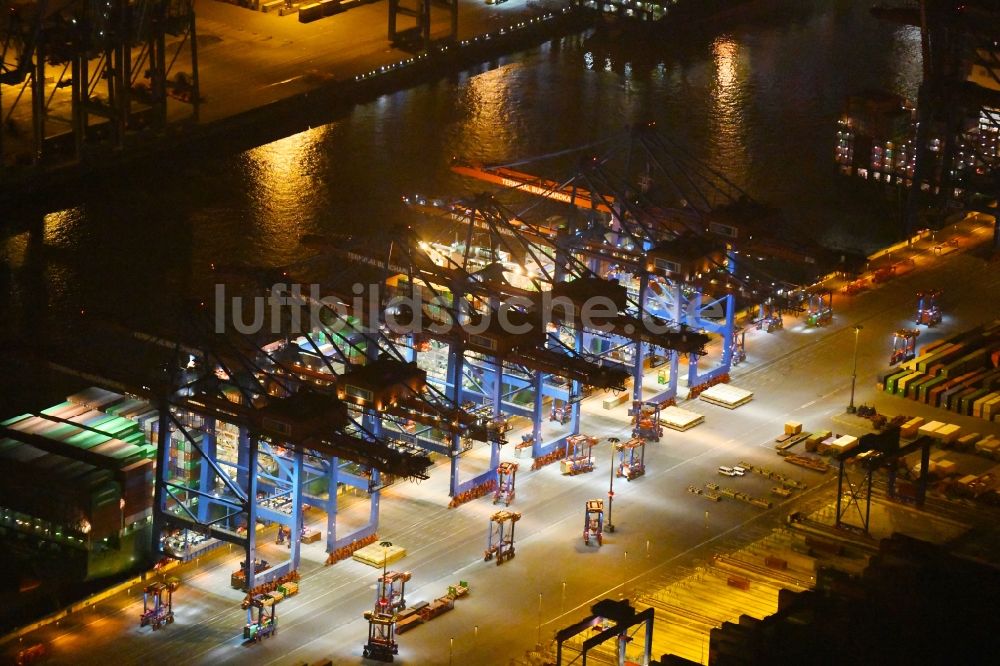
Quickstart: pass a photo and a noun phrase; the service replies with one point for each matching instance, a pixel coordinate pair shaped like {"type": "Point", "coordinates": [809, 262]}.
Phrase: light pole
{"type": "Point", "coordinates": [386, 545]}
{"type": "Point", "coordinates": [854, 372]}
{"type": "Point", "coordinates": [609, 526]}
{"type": "Point", "coordinates": [539, 643]}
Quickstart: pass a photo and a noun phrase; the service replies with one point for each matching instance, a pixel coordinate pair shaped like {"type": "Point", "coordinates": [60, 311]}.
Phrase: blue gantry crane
{"type": "Point", "coordinates": [238, 435]}
{"type": "Point", "coordinates": [484, 361]}
{"type": "Point", "coordinates": [684, 239]}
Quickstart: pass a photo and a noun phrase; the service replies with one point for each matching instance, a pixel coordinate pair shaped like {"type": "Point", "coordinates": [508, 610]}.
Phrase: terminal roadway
{"type": "Point", "coordinates": [796, 374]}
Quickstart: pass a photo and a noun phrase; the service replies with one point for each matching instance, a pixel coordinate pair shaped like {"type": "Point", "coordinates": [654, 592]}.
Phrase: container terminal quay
{"type": "Point", "coordinates": [609, 408]}
{"type": "Point", "coordinates": [320, 489]}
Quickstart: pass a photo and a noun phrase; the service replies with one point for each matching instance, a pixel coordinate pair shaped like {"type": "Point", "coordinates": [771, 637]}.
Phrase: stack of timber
{"type": "Point", "coordinates": [961, 374]}
{"type": "Point", "coordinates": [793, 435]}
{"type": "Point", "coordinates": [726, 396]}
{"type": "Point", "coordinates": [378, 556]}
{"type": "Point", "coordinates": [680, 419]}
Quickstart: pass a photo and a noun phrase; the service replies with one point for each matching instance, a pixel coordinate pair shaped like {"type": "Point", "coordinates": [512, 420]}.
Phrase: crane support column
{"type": "Point", "coordinates": [38, 102]}
{"type": "Point", "coordinates": [728, 333]}
{"type": "Point", "coordinates": [333, 485]}
{"type": "Point", "coordinates": [77, 116]}
{"type": "Point", "coordinates": [857, 493]}
{"type": "Point", "coordinates": [374, 501]}
{"type": "Point", "coordinates": [162, 465]}
{"type": "Point", "coordinates": [637, 368]}
{"type": "Point", "coordinates": [207, 476]}
{"type": "Point", "coordinates": [251, 511]}
{"type": "Point", "coordinates": [297, 522]}
{"type": "Point", "coordinates": [195, 79]}
{"type": "Point", "coordinates": [243, 467]}
{"type": "Point", "coordinates": [373, 422]}
{"type": "Point", "coordinates": [577, 389]}
{"type": "Point", "coordinates": [536, 425]}
{"type": "Point", "coordinates": [497, 413]}
{"type": "Point", "coordinates": [675, 369]}
{"type": "Point", "coordinates": [456, 369]}
{"type": "Point", "coordinates": [410, 348]}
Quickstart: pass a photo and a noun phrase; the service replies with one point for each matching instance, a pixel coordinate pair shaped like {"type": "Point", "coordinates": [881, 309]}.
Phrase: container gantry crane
{"type": "Point", "coordinates": [293, 411]}
{"type": "Point", "coordinates": [417, 37]}
{"type": "Point", "coordinates": [873, 452]}
{"type": "Point", "coordinates": [611, 620]}
{"type": "Point", "coordinates": [490, 365]}
{"type": "Point", "coordinates": [675, 233]}
{"type": "Point", "coordinates": [558, 272]}
{"type": "Point", "coordinates": [223, 405]}
{"type": "Point", "coordinates": [676, 193]}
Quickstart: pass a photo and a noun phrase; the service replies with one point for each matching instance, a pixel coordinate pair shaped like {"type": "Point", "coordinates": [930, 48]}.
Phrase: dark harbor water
{"type": "Point", "coordinates": [756, 99]}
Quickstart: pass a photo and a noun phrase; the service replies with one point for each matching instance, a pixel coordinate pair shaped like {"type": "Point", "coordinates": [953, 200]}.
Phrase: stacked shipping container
{"type": "Point", "coordinates": [961, 374]}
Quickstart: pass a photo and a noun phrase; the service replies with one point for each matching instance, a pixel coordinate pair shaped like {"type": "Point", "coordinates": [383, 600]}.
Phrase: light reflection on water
{"type": "Point", "coordinates": [729, 100]}
{"type": "Point", "coordinates": [491, 115]}
{"type": "Point", "coordinates": [278, 176]}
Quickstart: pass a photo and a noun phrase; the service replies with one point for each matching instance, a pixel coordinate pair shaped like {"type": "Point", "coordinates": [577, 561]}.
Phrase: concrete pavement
{"type": "Point", "coordinates": [798, 373]}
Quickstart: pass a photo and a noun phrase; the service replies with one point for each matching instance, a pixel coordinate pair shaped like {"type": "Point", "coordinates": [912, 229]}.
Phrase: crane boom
{"type": "Point", "coordinates": [535, 185]}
